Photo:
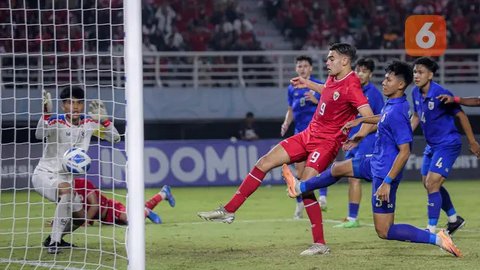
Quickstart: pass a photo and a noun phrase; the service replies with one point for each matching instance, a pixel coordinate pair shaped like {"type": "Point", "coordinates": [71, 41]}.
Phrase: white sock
{"type": "Point", "coordinates": [452, 218]}
{"type": "Point", "coordinates": [438, 241]}
{"type": "Point", "coordinates": [163, 195]}
{"type": "Point", "coordinates": [322, 199]}
{"type": "Point", "coordinates": [432, 228]}
{"type": "Point", "coordinates": [62, 218]}
{"type": "Point", "coordinates": [352, 219]}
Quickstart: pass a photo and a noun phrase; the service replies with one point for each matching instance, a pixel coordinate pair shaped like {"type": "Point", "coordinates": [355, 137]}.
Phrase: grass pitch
{"type": "Point", "coordinates": [263, 236]}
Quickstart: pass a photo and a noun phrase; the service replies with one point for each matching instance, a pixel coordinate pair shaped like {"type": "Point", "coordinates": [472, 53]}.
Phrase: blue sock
{"type": "Point", "coordinates": [447, 204]}
{"type": "Point", "coordinates": [406, 232]}
{"type": "Point", "coordinates": [322, 180]}
{"type": "Point", "coordinates": [323, 191]}
{"type": "Point", "coordinates": [434, 206]}
{"type": "Point", "coordinates": [353, 210]}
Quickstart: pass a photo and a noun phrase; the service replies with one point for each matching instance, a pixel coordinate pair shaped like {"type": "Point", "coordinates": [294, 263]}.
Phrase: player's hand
{"type": "Point", "coordinates": [299, 82]}
{"type": "Point", "coordinates": [445, 99]}
{"type": "Point", "coordinates": [47, 101]}
{"type": "Point", "coordinates": [311, 97]}
{"type": "Point", "coordinates": [383, 192]}
{"type": "Point", "coordinates": [475, 149]}
{"type": "Point", "coordinates": [283, 129]}
{"type": "Point", "coordinates": [350, 144]}
{"type": "Point", "coordinates": [351, 124]}
{"type": "Point", "coordinates": [98, 111]}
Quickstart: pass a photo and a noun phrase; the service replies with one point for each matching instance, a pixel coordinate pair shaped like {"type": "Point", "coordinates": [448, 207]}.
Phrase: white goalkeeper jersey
{"type": "Point", "coordinates": [61, 135]}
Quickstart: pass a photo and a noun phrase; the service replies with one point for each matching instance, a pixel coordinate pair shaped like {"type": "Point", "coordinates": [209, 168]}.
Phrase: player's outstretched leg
{"type": "Point", "coordinates": [164, 193]}
{"type": "Point", "coordinates": [154, 217]}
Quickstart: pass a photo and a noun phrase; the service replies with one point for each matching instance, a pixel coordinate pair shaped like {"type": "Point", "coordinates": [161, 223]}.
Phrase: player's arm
{"type": "Point", "coordinates": [43, 123]}
{"type": "Point", "coordinates": [369, 122]}
{"type": "Point", "coordinates": [414, 121]}
{"type": "Point", "coordinates": [93, 207]}
{"type": "Point", "coordinates": [288, 120]}
{"type": "Point", "coordinates": [467, 128]}
{"type": "Point", "coordinates": [299, 82]}
{"type": "Point", "coordinates": [383, 191]}
{"type": "Point", "coordinates": [466, 101]}
{"type": "Point", "coordinates": [106, 130]}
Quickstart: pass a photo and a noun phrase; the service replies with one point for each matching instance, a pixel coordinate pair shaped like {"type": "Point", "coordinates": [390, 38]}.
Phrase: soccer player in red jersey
{"type": "Point", "coordinates": [341, 100]}
{"type": "Point", "coordinates": [109, 211]}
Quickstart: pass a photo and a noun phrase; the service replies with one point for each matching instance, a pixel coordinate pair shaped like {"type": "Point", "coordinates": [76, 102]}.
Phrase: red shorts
{"type": "Point", "coordinates": [114, 210]}
{"type": "Point", "coordinates": [318, 152]}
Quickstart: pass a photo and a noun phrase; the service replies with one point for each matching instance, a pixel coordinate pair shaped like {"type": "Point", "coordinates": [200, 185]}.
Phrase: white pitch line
{"type": "Point", "coordinates": [38, 264]}
{"type": "Point", "coordinates": [287, 220]}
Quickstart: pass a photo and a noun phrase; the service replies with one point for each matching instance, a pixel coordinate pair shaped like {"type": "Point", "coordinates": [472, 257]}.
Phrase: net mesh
{"type": "Point", "coordinates": [48, 44]}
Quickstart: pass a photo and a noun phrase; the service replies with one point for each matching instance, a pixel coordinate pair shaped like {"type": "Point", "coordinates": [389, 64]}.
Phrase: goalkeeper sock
{"type": "Point", "coordinates": [251, 182]}
{"type": "Point", "coordinates": [155, 200]}
{"type": "Point", "coordinates": [62, 218]}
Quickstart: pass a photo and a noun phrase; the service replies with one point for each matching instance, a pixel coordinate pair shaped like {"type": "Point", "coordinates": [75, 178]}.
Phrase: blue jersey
{"type": "Point", "coordinates": [375, 99]}
{"type": "Point", "coordinates": [393, 130]}
{"type": "Point", "coordinates": [436, 118]}
{"type": "Point", "coordinates": [303, 110]}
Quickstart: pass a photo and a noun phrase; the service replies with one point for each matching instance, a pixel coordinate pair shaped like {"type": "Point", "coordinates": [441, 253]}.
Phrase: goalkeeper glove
{"type": "Point", "coordinates": [97, 111]}
{"type": "Point", "coordinates": [47, 102]}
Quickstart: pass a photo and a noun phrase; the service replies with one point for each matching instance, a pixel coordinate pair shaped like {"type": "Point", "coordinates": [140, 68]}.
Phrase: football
{"type": "Point", "coordinates": [76, 160]}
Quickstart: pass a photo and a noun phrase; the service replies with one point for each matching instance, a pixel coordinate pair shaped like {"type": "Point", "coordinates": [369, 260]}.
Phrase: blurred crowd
{"type": "Point", "coordinates": [201, 25]}
{"type": "Point", "coordinates": [369, 24]}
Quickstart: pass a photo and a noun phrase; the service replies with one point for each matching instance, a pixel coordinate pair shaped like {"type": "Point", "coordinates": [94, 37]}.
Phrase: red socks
{"type": "Point", "coordinates": [251, 182]}
{"type": "Point", "coordinates": [315, 215]}
{"type": "Point", "coordinates": [154, 201]}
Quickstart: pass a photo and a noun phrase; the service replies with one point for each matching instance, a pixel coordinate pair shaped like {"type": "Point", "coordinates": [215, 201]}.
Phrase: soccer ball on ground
{"type": "Point", "coordinates": [76, 160]}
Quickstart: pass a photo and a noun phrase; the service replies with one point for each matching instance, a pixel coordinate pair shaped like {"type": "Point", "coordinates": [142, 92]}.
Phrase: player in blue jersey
{"type": "Point", "coordinates": [443, 141]}
{"type": "Point", "coordinates": [392, 150]}
{"type": "Point", "coordinates": [364, 69]}
{"type": "Point", "coordinates": [302, 103]}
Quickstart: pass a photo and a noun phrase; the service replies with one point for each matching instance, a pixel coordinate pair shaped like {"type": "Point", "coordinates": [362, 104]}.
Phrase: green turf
{"type": "Point", "coordinates": [263, 235]}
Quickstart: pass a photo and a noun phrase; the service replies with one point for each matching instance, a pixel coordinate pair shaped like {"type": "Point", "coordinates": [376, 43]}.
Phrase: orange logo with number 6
{"type": "Point", "coordinates": [425, 35]}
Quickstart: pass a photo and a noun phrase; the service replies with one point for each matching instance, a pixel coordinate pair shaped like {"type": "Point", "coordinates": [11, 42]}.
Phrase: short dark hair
{"type": "Point", "coordinates": [345, 49]}
{"type": "Point", "coordinates": [428, 62]}
{"type": "Point", "coordinates": [304, 58]}
{"type": "Point", "coordinates": [72, 92]}
{"type": "Point", "coordinates": [401, 69]}
{"type": "Point", "coordinates": [366, 62]}
{"type": "Point", "coordinates": [249, 115]}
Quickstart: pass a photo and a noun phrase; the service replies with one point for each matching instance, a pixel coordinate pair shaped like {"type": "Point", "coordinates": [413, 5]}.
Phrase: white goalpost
{"type": "Point", "coordinates": [49, 45]}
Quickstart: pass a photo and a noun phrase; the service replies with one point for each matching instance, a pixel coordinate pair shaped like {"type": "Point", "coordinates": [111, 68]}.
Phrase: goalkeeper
{"type": "Point", "coordinates": [109, 211]}
{"type": "Point", "coordinates": [61, 132]}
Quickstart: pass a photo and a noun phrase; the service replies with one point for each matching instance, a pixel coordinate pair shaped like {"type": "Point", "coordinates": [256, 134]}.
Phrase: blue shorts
{"type": "Point", "coordinates": [362, 169]}
{"type": "Point", "coordinates": [440, 160]}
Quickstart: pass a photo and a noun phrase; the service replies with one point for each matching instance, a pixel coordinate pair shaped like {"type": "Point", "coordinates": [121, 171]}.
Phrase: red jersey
{"type": "Point", "coordinates": [338, 104]}
{"type": "Point", "coordinates": [85, 187]}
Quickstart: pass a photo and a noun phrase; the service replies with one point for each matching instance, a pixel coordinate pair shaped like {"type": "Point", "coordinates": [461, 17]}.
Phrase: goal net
{"type": "Point", "coordinates": [48, 45]}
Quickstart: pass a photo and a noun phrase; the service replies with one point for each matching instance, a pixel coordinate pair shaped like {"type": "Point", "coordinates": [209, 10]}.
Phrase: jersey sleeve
{"type": "Point", "coordinates": [355, 93]}
{"type": "Point", "coordinates": [45, 125]}
{"type": "Point", "coordinates": [401, 129]}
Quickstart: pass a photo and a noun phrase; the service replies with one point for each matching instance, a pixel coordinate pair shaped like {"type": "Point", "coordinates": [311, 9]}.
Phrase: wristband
{"type": "Point", "coordinates": [456, 99]}
{"type": "Point", "coordinates": [387, 180]}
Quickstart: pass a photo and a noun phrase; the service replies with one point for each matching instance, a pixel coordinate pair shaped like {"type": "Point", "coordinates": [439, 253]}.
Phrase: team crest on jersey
{"type": "Point", "coordinates": [336, 95]}
{"type": "Point", "coordinates": [431, 104]}
{"type": "Point", "coordinates": [295, 94]}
